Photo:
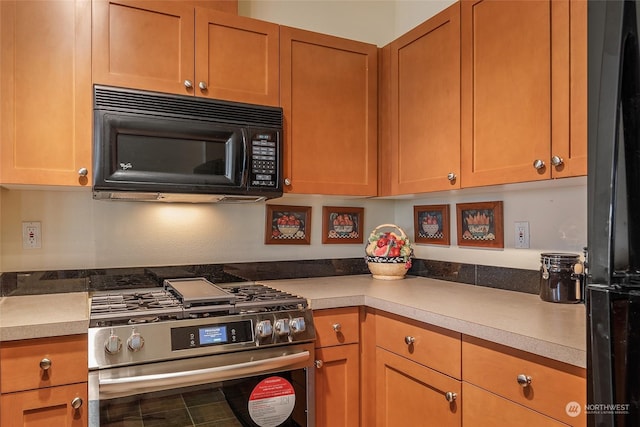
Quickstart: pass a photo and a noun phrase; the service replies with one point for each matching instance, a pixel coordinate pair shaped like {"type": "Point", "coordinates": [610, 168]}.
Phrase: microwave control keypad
{"type": "Point", "coordinates": [263, 161]}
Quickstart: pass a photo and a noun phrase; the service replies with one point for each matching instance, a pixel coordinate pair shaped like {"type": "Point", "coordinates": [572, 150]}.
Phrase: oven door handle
{"type": "Point", "coordinates": [151, 382]}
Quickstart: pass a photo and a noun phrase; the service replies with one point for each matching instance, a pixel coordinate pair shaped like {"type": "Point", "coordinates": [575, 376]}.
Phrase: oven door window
{"type": "Point", "coordinates": [141, 149]}
{"type": "Point", "coordinates": [261, 401]}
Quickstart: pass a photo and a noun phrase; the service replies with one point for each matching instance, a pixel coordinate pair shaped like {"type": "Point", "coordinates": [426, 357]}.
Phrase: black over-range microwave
{"type": "Point", "coordinates": [156, 146]}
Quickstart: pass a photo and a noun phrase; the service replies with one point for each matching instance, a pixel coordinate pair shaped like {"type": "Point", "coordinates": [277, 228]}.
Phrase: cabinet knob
{"type": "Point", "coordinates": [202, 86]}
{"type": "Point", "coordinates": [451, 176]}
{"type": "Point", "coordinates": [409, 340]}
{"type": "Point", "coordinates": [538, 164]}
{"type": "Point", "coordinates": [336, 327]}
{"type": "Point", "coordinates": [319, 363]}
{"type": "Point", "coordinates": [45, 364]}
{"type": "Point", "coordinates": [557, 160]}
{"type": "Point", "coordinates": [188, 84]}
{"type": "Point", "coordinates": [76, 403]}
{"type": "Point", "coordinates": [451, 396]}
{"type": "Point", "coordinates": [524, 380]}
{"type": "Point", "coordinates": [287, 181]}
{"type": "Point", "coordinates": [83, 171]}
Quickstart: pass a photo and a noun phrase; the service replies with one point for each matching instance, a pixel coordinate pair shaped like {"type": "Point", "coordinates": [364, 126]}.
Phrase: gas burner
{"type": "Point", "coordinates": [189, 298]}
{"type": "Point", "coordinates": [133, 306]}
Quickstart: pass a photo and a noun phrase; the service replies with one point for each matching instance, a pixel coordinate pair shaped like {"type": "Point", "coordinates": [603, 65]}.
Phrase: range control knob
{"type": "Point", "coordinates": [282, 327]}
{"type": "Point", "coordinates": [135, 341]}
{"type": "Point", "coordinates": [113, 344]}
{"type": "Point", "coordinates": [297, 325]}
{"type": "Point", "coordinates": [264, 329]}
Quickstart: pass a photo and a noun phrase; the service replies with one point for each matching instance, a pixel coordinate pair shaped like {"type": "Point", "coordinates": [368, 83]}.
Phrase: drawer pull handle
{"type": "Point", "coordinates": [45, 364]}
{"type": "Point", "coordinates": [524, 380]}
{"type": "Point", "coordinates": [451, 396]}
{"type": "Point", "coordinates": [319, 364]}
{"type": "Point", "coordinates": [76, 403]}
{"type": "Point", "coordinates": [409, 340]}
{"type": "Point", "coordinates": [336, 327]}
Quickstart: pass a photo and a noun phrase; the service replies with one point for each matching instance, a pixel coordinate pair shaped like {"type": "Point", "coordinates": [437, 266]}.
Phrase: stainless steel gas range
{"type": "Point", "coordinates": [194, 352]}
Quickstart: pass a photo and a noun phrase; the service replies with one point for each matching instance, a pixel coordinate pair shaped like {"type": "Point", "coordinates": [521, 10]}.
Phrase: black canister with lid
{"type": "Point", "coordinates": [561, 277]}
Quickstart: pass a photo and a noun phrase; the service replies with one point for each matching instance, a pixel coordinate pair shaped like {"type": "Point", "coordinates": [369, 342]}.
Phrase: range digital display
{"type": "Point", "coordinates": [213, 335]}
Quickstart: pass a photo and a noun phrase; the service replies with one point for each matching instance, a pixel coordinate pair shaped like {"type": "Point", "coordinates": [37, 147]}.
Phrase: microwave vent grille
{"type": "Point", "coordinates": [117, 99]}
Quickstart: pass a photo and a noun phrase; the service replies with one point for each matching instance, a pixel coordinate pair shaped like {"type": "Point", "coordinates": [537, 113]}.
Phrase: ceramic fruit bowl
{"type": "Point", "coordinates": [388, 253]}
{"type": "Point", "coordinates": [288, 230]}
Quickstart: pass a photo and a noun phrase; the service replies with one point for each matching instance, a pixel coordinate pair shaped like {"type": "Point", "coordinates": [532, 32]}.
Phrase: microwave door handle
{"type": "Point", "coordinates": [143, 383]}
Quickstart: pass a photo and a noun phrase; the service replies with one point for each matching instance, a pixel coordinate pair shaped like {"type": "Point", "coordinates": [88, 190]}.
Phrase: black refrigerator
{"type": "Point", "coordinates": [613, 256]}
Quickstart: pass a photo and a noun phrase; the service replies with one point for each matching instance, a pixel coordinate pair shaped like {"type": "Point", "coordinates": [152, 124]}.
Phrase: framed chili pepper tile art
{"type": "Point", "coordinates": [480, 224]}
{"type": "Point", "coordinates": [288, 225]}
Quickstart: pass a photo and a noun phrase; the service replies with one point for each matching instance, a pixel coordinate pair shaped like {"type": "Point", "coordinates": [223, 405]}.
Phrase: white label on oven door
{"type": "Point", "coordinates": [271, 402]}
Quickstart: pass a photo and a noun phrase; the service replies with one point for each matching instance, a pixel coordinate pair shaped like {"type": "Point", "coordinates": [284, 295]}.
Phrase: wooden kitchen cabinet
{"type": "Point", "coordinates": [43, 382]}
{"type": "Point", "coordinates": [418, 371]}
{"type": "Point", "coordinates": [410, 394]}
{"type": "Point", "coordinates": [337, 371]}
{"type": "Point", "coordinates": [423, 145]}
{"type": "Point", "coordinates": [45, 87]}
{"type": "Point", "coordinates": [482, 408]}
{"type": "Point", "coordinates": [328, 91]}
{"type": "Point", "coordinates": [522, 105]}
{"type": "Point", "coordinates": [545, 386]}
{"type": "Point", "coordinates": [175, 47]}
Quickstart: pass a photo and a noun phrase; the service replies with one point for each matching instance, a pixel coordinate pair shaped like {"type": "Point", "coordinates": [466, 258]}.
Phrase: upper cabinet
{"type": "Point", "coordinates": [45, 86]}
{"type": "Point", "coordinates": [328, 91]}
{"type": "Point", "coordinates": [422, 113]}
{"type": "Point", "coordinates": [175, 47]}
{"type": "Point", "coordinates": [523, 91]}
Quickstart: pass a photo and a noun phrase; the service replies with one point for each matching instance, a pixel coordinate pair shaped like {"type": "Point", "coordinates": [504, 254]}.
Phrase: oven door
{"type": "Point", "coordinates": [264, 387]}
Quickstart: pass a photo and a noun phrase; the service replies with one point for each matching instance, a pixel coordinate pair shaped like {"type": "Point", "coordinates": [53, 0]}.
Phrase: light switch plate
{"type": "Point", "coordinates": [522, 235]}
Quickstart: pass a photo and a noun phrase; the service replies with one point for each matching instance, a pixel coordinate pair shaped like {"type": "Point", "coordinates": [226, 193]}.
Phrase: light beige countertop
{"type": "Point", "coordinates": [515, 319]}
{"type": "Point", "coordinates": [39, 316]}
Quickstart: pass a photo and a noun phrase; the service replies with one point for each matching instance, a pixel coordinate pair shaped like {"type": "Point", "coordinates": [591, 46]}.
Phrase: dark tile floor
{"type": "Point", "coordinates": [201, 408]}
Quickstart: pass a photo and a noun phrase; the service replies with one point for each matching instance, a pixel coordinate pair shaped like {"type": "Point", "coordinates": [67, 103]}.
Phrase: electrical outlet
{"type": "Point", "coordinates": [522, 235]}
{"type": "Point", "coordinates": [31, 235]}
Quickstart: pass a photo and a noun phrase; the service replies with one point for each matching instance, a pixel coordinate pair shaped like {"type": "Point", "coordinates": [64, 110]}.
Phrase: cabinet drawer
{"type": "Point", "coordinates": [428, 345]}
{"type": "Point", "coordinates": [553, 386]}
{"type": "Point", "coordinates": [20, 362]}
{"type": "Point", "coordinates": [337, 326]}
{"type": "Point", "coordinates": [482, 408]}
{"type": "Point", "coordinates": [410, 394]}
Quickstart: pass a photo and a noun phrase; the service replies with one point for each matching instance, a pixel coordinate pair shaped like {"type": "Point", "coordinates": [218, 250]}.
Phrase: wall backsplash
{"type": "Point", "coordinates": [81, 233]}
{"type": "Point", "coordinates": [60, 281]}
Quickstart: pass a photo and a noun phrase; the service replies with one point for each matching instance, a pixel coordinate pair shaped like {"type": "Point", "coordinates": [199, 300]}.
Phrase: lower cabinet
{"type": "Point", "coordinates": [54, 406]}
{"type": "Point", "coordinates": [483, 408]}
{"type": "Point", "coordinates": [515, 382]}
{"type": "Point", "coordinates": [43, 382]}
{"type": "Point", "coordinates": [337, 388]}
{"type": "Point", "coordinates": [410, 394]}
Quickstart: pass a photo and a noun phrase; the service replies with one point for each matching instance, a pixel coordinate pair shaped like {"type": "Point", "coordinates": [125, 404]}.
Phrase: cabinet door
{"type": "Point", "coordinates": [45, 407]}
{"type": "Point", "coordinates": [45, 87]}
{"type": "Point", "coordinates": [338, 386]}
{"type": "Point", "coordinates": [329, 96]}
{"type": "Point", "coordinates": [482, 408]}
{"type": "Point", "coordinates": [425, 106]}
{"type": "Point", "coordinates": [237, 58]}
{"type": "Point", "coordinates": [569, 138]}
{"type": "Point", "coordinates": [506, 90]}
{"type": "Point", "coordinates": [409, 394]}
{"type": "Point", "coordinates": [144, 44]}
